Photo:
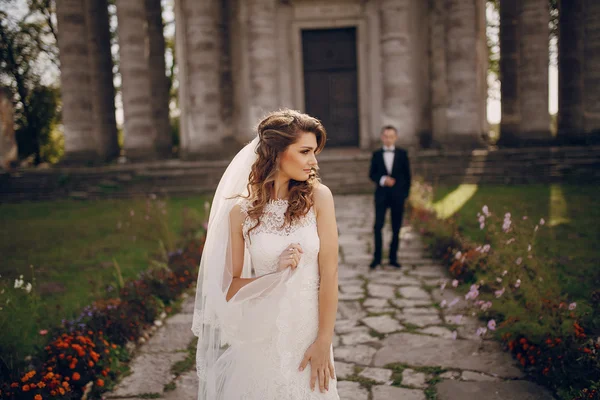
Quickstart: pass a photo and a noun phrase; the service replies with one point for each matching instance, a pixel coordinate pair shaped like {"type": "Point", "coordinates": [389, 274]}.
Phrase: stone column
{"type": "Point", "coordinates": [396, 70]}
{"type": "Point", "coordinates": [533, 70]}
{"type": "Point", "coordinates": [140, 130]}
{"type": "Point", "coordinates": [77, 117]}
{"type": "Point", "coordinates": [524, 58]}
{"type": "Point", "coordinates": [198, 55]}
{"type": "Point", "coordinates": [9, 153]}
{"type": "Point", "coordinates": [262, 58]}
{"type": "Point", "coordinates": [463, 60]}
{"type": "Point", "coordinates": [578, 76]}
{"type": "Point", "coordinates": [509, 71]}
{"type": "Point", "coordinates": [101, 79]}
{"type": "Point", "coordinates": [570, 69]}
{"type": "Point", "coordinates": [158, 78]}
{"type": "Point", "coordinates": [439, 86]}
{"type": "Point", "coordinates": [591, 69]}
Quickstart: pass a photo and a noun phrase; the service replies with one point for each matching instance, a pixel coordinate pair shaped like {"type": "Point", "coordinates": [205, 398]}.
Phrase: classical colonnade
{"type": "Point", "coordinates": [212, 89]}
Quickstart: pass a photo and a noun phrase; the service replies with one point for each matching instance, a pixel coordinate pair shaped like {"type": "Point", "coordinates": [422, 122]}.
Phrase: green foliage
{"type": "Point", "coordinates": [73, 246]}
{"type": "Point", "coordinates": [26, 43]}
{"type": "Point", "coordinates": [538, 278]}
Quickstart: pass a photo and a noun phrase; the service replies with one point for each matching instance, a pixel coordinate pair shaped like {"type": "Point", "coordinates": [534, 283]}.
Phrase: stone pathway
{"type": "Point", "coordinates": [393, 340]}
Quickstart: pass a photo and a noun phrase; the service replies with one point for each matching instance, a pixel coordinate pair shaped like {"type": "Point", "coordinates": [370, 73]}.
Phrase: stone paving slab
{"type": "Point", "coordinates": [150, 373]}
{"type": "Point", "coordinates": [175, 335]}
{"type": "Point", "coordinates": [186, 389]}
{"type": "Point", "coordinates": [352, 391]}
{"type": "Point", "coordinates": [395, 393]}
{"type": "Point", "coordinates": [423, 351]}
{"type": "Point", "coordinates": [361, 354]}
{"type": "Point", "coordinates": [517, 390]}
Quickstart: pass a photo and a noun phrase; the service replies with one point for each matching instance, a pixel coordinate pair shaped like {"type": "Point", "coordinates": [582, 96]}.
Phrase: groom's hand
{"type": "Point", "coordinates": [389, 181]}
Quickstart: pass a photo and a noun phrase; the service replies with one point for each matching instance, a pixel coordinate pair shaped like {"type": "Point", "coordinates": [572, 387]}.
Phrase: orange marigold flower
{"type": "Point", "coordinates": [61, 390]}
{"type": "Point", "coordinates": [587, 350]}
{"type": "Point", "coordinates": [41, 385]}
{"type": "Point", "coordinates": [53, 392]}
{"type": "Point", "coordinates": [65, 385]}
{"type": "Point", "coordinates": [76, 376]}
{"type": "Point", "coordinates": [90, 364]}
{"type": "Point", "coordinates": [14, 385]}
{"type": "Point", "coordinates": [545, 371]}
{"type": "Point", "coordinates": [99, 382]}
{"type": "Point", "coordinates": [114, 346]}
{"type": "Point", "coordinates": [38, 397]}
{"type": "Point", "coordinates": [104, 372]}
{"type": "Point", "coordinates": [25, 388]}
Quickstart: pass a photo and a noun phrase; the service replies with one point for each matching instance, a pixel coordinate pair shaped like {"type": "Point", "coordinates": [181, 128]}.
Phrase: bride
{"type": "Point", "coordinates": [267, 292]}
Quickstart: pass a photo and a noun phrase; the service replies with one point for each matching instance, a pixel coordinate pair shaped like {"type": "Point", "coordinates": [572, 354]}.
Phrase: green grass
{"type": "Point", "coordinates": [568, 243]}
{"type": "Point", "coordinates": [69, 247]}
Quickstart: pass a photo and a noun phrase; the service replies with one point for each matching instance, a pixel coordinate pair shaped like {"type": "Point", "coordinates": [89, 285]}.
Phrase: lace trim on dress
{"type": "Point", "coordinates": [273, 219]}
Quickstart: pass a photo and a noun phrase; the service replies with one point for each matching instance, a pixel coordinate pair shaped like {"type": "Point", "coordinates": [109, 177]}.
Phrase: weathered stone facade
{"type": "Point", "coordinates": [420, 68]}
{"type": "Point", "coordinates": [418, 65]}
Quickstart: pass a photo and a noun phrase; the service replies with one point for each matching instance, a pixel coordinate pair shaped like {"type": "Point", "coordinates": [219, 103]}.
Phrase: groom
{"type": "Point", "coordinates": [390, 171]}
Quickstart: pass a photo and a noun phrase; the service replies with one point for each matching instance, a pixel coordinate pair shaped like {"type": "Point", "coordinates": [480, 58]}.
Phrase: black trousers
{"type": "Point", "coordinates": [383, 201]}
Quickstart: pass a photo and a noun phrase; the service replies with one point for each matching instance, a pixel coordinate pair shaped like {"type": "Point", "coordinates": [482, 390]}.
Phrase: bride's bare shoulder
{"type": "Point", "coordinates": [323, 198]}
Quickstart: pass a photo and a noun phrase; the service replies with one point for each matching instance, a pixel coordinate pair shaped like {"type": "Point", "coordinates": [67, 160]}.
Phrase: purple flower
{"type": "Point", "coordinates": [486, 211]}
{"type": "Point", "coordinates": [491, 325]}
{"type": "Point", "coordinates": [473, 293]}
{"type": "Point", "coordinates": [572, 306]}
{"type": "Point", "coordinates": [458, 255]}
{"type": "Point", "coordinates": [486, 248]}
{"type": "Point", "coordinates": [443, 303]}
{"type": "Point", "coordinates": [443, 285]}
{"type": "Point", "coordinates": [481, 331]}
{"type": "Point", "coordinates": [486, 306]}
{"type": "Point", "coordinates": [519, 261]}
{"type": "Point", "coordinates": [453, 302]}
{"type": "Point", "coordinates": [454, 283]}
{"type": "Point", "coordinates": [518, 283]}
{"type": "Point", "coordinates": [542, 221]}
{"type": "Point", "coordinates": [500, 292]}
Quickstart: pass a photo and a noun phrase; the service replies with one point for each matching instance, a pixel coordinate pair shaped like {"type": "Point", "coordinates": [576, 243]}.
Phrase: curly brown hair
{"type": "Point", "coordinates": [276, 133]}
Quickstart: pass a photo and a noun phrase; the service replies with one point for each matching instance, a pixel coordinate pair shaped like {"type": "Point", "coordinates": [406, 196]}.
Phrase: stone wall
{"type": "Point", "coordinates": [343, 173]}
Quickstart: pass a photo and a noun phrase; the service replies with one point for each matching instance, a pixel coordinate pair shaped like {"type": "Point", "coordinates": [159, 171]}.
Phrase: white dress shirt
{"type": "Point", "coordinates": [388, 160]}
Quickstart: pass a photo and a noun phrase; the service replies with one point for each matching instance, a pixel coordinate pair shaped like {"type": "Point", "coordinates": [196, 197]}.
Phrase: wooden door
{"type": "Point", "coordinates": [331, 82]}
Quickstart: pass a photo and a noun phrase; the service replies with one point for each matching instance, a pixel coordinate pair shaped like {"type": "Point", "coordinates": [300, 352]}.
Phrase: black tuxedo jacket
{"type": "Point", "coordinates": [400, 172]}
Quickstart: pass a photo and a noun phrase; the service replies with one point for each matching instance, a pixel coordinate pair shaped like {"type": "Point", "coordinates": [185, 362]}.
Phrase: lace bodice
{"type": "Point", "coordinates": [269, 239]}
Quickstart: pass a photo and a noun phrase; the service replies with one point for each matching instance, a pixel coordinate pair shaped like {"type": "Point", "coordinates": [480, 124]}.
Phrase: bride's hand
{"type": "Point", "coordinates": [320, 364]}
{"type": "Point", "coordinates": [290, 257]}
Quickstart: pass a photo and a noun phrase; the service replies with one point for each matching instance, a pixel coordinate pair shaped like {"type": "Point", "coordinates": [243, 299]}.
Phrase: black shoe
{"type": "Point", "coordinates": [374, 265]}
{"type": "Point", "coordinates": [395, 264]}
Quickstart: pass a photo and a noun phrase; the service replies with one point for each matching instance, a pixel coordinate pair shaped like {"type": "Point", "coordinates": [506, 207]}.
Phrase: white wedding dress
{"type": "Point", "coordinates": [282, 325]}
